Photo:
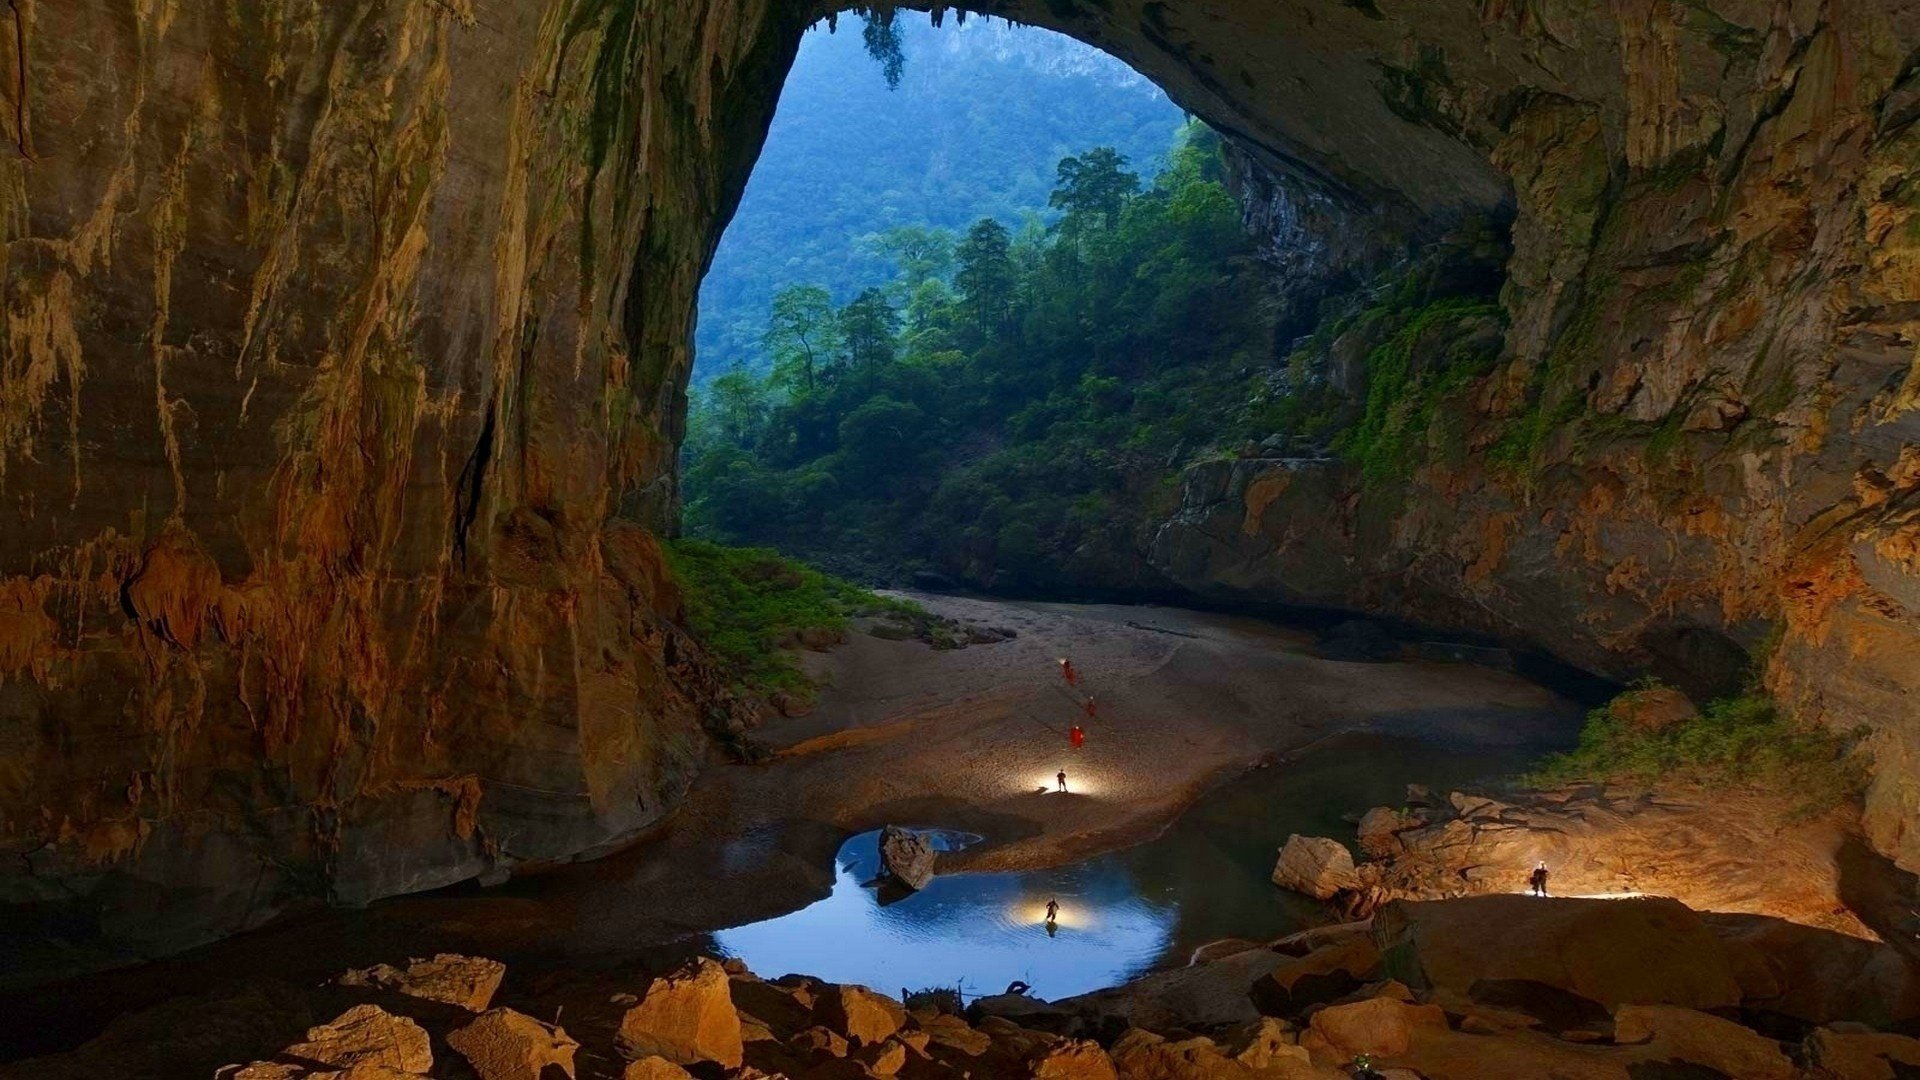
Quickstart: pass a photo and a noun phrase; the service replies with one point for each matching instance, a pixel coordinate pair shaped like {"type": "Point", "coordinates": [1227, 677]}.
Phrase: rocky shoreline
{"type": "Point", "coordinates": [1462, 989]}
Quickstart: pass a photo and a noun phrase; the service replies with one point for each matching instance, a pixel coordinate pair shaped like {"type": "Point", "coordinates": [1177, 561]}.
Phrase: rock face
{"type": "Point", "coordinates": [507, 1045]}
{"type": "Point", "coordinates": [341, 383]}
{"type": "Point", "coordinates": [907, 856]}
{"type": "Point", "coordinates": [466, 981]}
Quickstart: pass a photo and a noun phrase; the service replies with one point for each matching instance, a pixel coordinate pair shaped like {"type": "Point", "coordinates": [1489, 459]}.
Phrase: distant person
{"type": "Point", "coordinates": [1093, 710]}
{"type": "Point", "coordinates": [1537, 881]}
{"type": "Point", "coordinates": [1063, 781]}
{"type": "Point", "coordinates": [1077, 736]}
{"type": "Point", "coordinates": [1053, 911]}
{"type": "Point", "coordinates": [1067, 672]}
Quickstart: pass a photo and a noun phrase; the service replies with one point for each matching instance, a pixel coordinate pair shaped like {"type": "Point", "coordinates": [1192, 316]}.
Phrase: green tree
{"type": "Point", "coordinates": [1093, 185]}
{"type": "Point", "coordinates": [736, 405]}
{"type": "Point", "coordinates": [870, 327]}
{"type": "Point", "coordinates": [800, 333]}
{"type": "Point", "coordinates": [986, 277]}
{"type": "Point", "coordinates": [921, 253]}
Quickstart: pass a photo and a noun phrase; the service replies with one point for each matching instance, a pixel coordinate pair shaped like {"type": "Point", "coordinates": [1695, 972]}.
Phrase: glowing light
{"type": "Point", "coordinates": [1077, 783]}
{"type": "Point", "coordinates": [1032, 911]}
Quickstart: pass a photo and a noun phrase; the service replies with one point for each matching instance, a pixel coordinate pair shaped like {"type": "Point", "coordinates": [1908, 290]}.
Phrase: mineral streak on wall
{"type": "Point", "coordinates": [344, 344]}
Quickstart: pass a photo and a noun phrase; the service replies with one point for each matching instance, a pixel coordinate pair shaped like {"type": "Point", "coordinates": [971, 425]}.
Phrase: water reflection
{"type": "Point", "coordinates": [1121, 913]}
{"type": "Point", "coordinates": [983, 931]}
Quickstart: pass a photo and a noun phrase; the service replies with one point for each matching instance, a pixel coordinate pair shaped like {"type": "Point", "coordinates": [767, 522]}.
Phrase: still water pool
{"type": "Point", "coordinates": [1122, 913]}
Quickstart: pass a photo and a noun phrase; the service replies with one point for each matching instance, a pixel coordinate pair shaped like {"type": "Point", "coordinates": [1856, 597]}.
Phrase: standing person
{"type": "Point", "coordinates": [1537, 881]}
{"type": "Point", "coordinates": [1053, 911]}
{"type": "Point", "coordinates": [1077, 736]}
{"type": "Point", "coordinates": [1063, 781]}
{"type": "Point", "coordinates": [1068, 673]}
{"type": "Point", "coordinates": [1092, 709]}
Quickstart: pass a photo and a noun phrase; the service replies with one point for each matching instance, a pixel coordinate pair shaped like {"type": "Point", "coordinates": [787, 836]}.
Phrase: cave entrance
{"type": "Point", "coordinates": [984, 283]}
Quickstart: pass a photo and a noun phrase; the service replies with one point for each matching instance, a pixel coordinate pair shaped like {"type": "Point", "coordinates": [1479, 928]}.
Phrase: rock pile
{"type": "Point", "coordinates": [1463, 989]}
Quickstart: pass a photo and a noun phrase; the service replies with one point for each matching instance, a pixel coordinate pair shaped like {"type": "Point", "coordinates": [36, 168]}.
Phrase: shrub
{"type": "Point", "coordinates": [1741, 741]}
{"type": "Point", "coordinates": [749, 606]}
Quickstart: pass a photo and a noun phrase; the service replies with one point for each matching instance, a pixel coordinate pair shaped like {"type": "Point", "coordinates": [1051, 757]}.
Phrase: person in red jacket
{"type": "Point", "coordinates": [1093, 710]}
{"type": "Point", "coordinates": [1068, 673]}
{"type": "Point", "coordinates": [1077, 736]}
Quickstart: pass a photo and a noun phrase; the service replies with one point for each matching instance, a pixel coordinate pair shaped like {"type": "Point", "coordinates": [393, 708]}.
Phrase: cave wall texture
{"type": "Point", "coordinates": [344, 348]}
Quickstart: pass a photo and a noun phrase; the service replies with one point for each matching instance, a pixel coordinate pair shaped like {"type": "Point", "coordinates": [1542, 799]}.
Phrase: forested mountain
{"type": "Point", "coordinates": [982, 113]}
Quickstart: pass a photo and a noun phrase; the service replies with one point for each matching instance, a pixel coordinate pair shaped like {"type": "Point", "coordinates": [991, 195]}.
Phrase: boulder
{"type": "Point", "coordinates": [365, 1035]}
{"type": "Point", "coordinates": [1614, 952]}
{"type": "Point", "coordinates": [955, 1034]}
{"type": "Point", "coordinates": [685, 1017]}
{"type": "Point", "coordinates": [1381, 1026]}
{"type": "Point", "coordinates": [779, 1008]}
{"type": "Point", "coordinates": [858, 1013]}
{"type": "Point", "coordinates": [1142, 1055]}
{"type": "Point", "coordinates": [819, 1041]}
{"type": "Point", "coordinates": [1653, 709]}
{"type": "Point", "coordinates": [1316, 866]}
{"type": "Point", "coordinates": [1697, 1038]}
{"type": "Point", "coordinates": [1072, 1059]}
{"type": "Point", "coordinates": [467, 981]}
{"type": "Point", "coordinates": [507, 1045]}
{"type": "Point", "coordinates": [1266, 1045]}
{"type": "Point", "coordinates": [1325, 974]}
{"type": "Point", "coordinates": [907, 856]}
{"type": "Point", "coordinates": [1834, 1055]}
{"type": "Point", "coordinates": [1380, 829]}
{"type": "Point", "coordinates": [882, 1058]}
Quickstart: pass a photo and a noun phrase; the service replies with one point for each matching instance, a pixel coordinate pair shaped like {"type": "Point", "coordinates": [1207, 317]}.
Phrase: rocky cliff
{"type": "Point", "coordinates": [344, 343]}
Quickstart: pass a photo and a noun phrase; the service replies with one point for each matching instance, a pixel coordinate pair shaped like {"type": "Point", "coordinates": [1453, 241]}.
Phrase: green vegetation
{"type": "Point", "coordinates": [1405, 401]}
{"type": "Point", "coordinates": [1009, 397]}
{"type": "Point", "coordinates": [751, 608]}
{"type": "Point", "coordinates": [981, 114]}
{"type": "Point", "coordinates": [1741, 741]}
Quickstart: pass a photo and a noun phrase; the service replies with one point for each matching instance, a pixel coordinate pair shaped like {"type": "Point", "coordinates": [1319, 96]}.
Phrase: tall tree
{"type": "Point", "coordinates": [986, 277]}
{"type": "Point", "coordinates": [800, 334]}
{"type": "Point", "coordinates": [1093, 186]}
{"type": "Point", "coordinates": [871, 329]}
{"type": "Point", "coordinates": [921, 252]}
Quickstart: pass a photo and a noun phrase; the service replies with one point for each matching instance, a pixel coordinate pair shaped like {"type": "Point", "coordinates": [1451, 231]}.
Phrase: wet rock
{"type": "Point", "coordinates": [1314, 865]}
{"type": "Point", "coordinates": [1610, 951]}
{"type": "Point", "coordinates": [860, 1014]}
{"type": "Point", "coordinates": [1677, 1034]}
{"type": "Point", "coordinates": [907, 856]}
{"type": "Point", "coordinates": [685, 1017]}
{"type": "Point", "coordinates": [507, 1045]}
{"type": "Point", "coordinates": [467, 981]}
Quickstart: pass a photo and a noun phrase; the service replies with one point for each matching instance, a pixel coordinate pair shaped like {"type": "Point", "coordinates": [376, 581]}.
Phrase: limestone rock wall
{"type": "Point", "coordinates": [344, 342]}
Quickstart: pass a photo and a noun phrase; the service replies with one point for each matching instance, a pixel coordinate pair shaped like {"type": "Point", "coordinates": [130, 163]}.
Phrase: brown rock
{"type": "Point", "coordinates": [882, 1058]}
{"type": "Point", "coordinates": [1381, 1026]}
{"type": "Point", "coordinates": [955, 1034]}
{"type": "Point", "coordinates": [685, 1017]}
{"type": "Point", "coordinates": [1836, 1055]}
{"type": "Point", "coordinates": [1653, 709]}
{"type": "Point", "coordinates": [654, 1068]}
{"type": "Point", "coordinates": [820, 1040]}
{"type": "Point", "coordinates": [507, 1045]}
{"type": "Point", "coordinates": [907, 856]}
{"type": "Point", "coordinates": [1142, 1055]}
{"type": "Point", "coordinates": [1325, 974]}
{"type": "Point", "coordinates": [1264, 1044]}
{"type": "Point", "coordinates": [1073, 1059]}
{"type": "Point", "coordinates": [1380, 828]}
{"type": "Point", "coordinates": [858, 1013]}
{"type": "Point", "coordinates": [366, 1035]}
{"type": "Point", "coordinates": [1316, 866]}
{"type": "Point", "coordinates": [467, 981]}
{"type": "Point", "coordinates": [1612, 952]}
{"type": "Point", "coordinates": [1678, 1034]}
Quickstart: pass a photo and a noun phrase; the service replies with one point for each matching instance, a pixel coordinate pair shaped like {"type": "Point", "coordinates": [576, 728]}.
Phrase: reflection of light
{"type": "Point", "coordinates": [1584, 896]}
{"type": "Point", "coordinates": [1034, 912]}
